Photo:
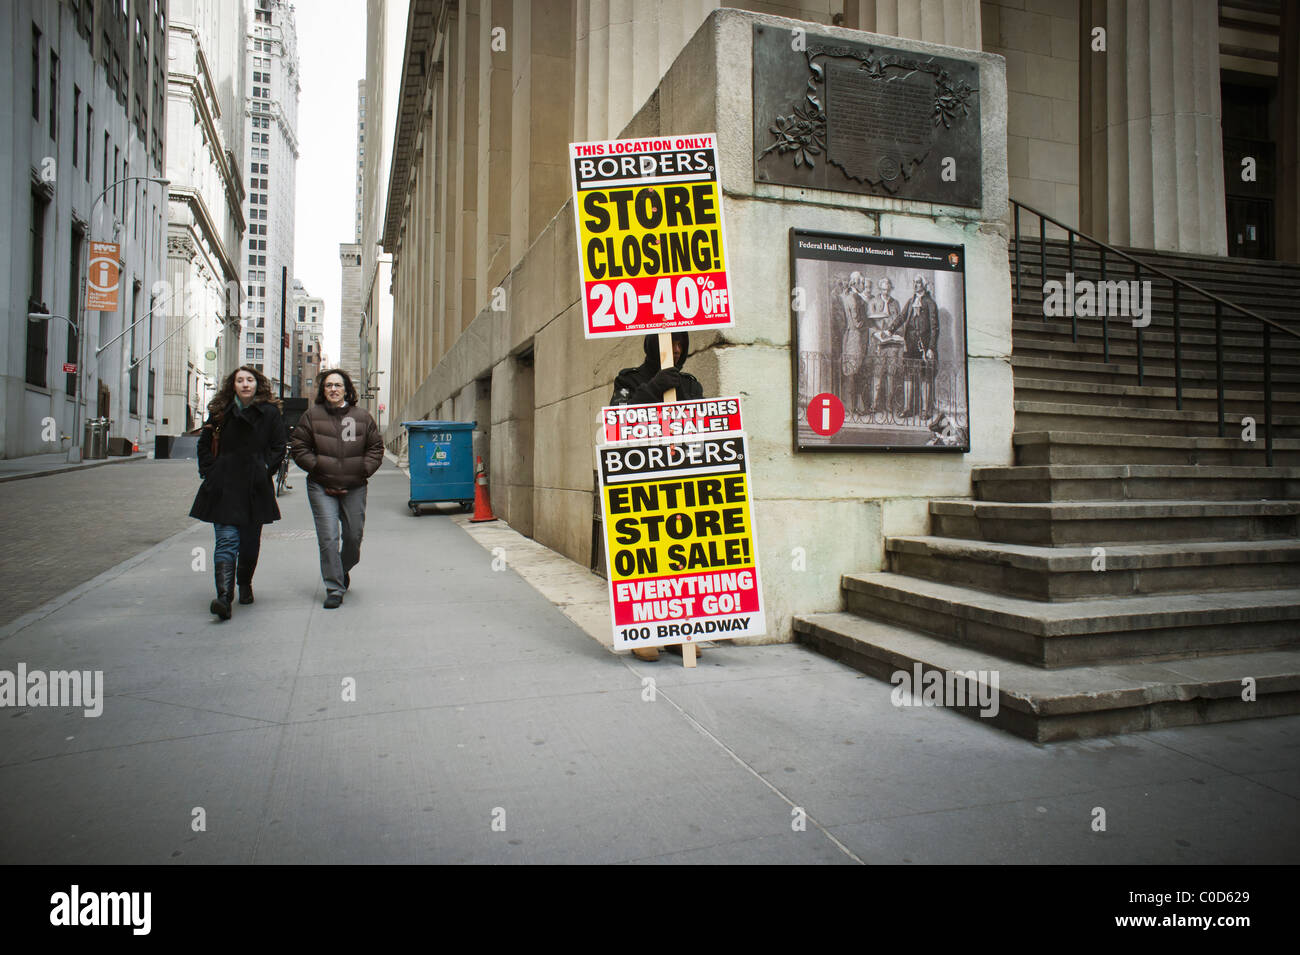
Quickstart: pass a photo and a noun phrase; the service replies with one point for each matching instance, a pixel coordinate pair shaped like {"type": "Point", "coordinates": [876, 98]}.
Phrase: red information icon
{"type": "Point", "coordinates": [825, 413]}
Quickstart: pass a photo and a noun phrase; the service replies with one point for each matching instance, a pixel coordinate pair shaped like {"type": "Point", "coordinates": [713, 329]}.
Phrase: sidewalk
{"type": "Point", "coordinates": [36, 465]}
{"type": "Point", "coordinates": [478, 702]}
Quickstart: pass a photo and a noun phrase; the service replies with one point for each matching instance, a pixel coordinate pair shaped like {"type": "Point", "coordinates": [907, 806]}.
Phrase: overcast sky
{"type": "Point", "coordinates": [331, 57]}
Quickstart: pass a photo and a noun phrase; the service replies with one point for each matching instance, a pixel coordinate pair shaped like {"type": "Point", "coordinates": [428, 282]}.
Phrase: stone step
{"type": "Point", "coordinates": [1136, 482]}
{"type": "Point", "coordinates": [1092, 523]}
{"type": "Point", "coordinates": [1193, 335]}
{"type": "Point", "coordinates": [1206, 272]}
{"type": "Point", "coordinates": [1157, 374]}
{"type": "Point", "coordinates": [1267, 300]}
{"type": "Point", "coordinates": [1072, 703]}
{"type": "Point", "coordinates": [1157, 346]}
{"type": "Point", "coordinates": [1055, 416]}
{"type": "Point", "coordinates": [1243, 364]}
{"type": "Point", "coordinates": [1213, 276]}
{"type": "Point", "coordinates": [1084, 447]}
{"type": "Point", "coordinates": [1117, 570]}
{"type": "Point", "coordinates": [1237, 401]}
{"type": "Point", "coordinates": [1078, 632]}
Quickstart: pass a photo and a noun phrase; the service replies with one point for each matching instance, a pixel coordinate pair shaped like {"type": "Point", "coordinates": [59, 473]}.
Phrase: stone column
{"type": "Point", "coordinates": [1288, 145]}
{"type": "Point", "coordinates": [1163, 136]}
{"type": "Point", "coordinates": [954, 22]}
{"type": "Point", "coordinates": [494, 119]}
{"type": "Point", "coordinates": [465, 173]}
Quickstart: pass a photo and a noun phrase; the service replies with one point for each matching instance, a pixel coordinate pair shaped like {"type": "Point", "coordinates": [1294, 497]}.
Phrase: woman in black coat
{"type": "Point", "coordinates": [240, 449]}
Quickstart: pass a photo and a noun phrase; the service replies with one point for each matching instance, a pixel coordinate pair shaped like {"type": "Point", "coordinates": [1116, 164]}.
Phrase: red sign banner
{"type": "Point", "coordinates": [638, 422]}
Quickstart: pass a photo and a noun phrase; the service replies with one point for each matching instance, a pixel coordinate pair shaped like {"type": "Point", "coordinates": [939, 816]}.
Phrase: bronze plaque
{"type": "Point", "coordinates": [855, 117]}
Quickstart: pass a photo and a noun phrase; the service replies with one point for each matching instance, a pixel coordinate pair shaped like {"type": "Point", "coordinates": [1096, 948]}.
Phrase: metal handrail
{"type": "Point", "coordinates": [1267, 325]}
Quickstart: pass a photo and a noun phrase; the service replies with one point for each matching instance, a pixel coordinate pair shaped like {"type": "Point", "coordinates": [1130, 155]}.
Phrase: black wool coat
{"type": "Point", "coordinates": [238, 483]}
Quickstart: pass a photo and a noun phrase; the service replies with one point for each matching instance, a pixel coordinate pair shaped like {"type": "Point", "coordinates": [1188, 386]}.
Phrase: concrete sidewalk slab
{"type": "Point", "coordinates": [478, 700]}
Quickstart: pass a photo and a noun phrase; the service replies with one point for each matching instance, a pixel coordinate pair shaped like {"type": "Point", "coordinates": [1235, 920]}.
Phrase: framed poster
{"type": "Point", "coordinates": [879, 344]}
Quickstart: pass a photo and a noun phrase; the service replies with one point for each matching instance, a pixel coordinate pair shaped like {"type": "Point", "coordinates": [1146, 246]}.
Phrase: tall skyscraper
{"type": "Point", "coordinates": [272, 152]}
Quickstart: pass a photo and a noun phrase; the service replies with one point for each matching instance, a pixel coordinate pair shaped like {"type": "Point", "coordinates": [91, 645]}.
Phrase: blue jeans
{"type": "Point", "coordinates": [237, 541]}
{"type": "Point", "coordinates": [339, 552]}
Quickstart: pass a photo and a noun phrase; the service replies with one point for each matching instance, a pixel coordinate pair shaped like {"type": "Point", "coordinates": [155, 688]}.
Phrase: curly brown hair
{"type": "Point", "coordinates": [224, 398]}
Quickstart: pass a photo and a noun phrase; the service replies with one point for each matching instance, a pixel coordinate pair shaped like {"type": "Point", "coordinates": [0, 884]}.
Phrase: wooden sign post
{"type": "Point", "coordinates": [666, 361]}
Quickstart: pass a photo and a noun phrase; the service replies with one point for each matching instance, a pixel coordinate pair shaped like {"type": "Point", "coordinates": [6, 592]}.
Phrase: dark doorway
{"type": "Point", "coordinates": [1250, 164]}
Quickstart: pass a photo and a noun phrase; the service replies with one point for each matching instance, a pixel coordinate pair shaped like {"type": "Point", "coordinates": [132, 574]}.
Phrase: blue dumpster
{"type": "Point", "coordinates": [441, 461]}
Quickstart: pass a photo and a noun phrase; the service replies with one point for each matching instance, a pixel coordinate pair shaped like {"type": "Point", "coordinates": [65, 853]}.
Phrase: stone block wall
{"type": "Point", "coordinates": [1039, 39]}
{"type": "Point", "coordinates": [826, 513]}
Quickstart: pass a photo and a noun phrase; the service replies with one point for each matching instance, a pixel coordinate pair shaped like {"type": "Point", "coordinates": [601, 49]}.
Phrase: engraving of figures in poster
{"type": "Point", "coordinates": [880, 324]}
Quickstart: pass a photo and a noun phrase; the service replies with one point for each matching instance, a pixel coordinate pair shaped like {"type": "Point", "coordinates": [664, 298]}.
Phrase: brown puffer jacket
{"type": "Point", "coordinates": [337, 447]}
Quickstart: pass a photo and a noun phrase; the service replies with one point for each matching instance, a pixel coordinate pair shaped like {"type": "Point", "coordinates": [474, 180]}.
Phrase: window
{"type": "Point", "coordinates": [38, 343]}
{"type": "Point", "coordinates": [54, 95]}
{"type": "Point", "coordinates": [74, 294]}
{"type": "Point", "coordinates": [117, 164]}
{"type": "Point", "coordinates": [90, 119]}
{"type": "Point", "coordinates": [76, 123]}
{"type": "Point", "coordinates": [152, 389]}
{"type": "Point", "coordinates": [36, 74]}
{"type": "Point", "coordinates": [133, 385]}
{"type": "Point", "coordinates": [104, 181]}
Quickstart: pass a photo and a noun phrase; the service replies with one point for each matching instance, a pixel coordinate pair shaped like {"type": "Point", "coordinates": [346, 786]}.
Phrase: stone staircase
{"type": "Point", "coordinates": [1134, 567]}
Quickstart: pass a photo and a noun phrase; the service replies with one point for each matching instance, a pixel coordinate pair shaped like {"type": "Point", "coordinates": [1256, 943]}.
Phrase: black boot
{"type": "Point", "coordinates": [225, 577]}
{"type": "Point", "coordinates": [244, 575]}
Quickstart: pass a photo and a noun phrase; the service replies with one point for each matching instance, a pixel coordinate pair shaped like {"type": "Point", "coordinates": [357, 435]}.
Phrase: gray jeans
{"type": "Point", "coordinates": [329, 513]}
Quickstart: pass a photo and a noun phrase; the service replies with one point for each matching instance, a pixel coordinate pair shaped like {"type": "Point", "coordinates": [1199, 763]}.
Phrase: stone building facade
{"type": "Point", "coordinates": [84, 83]}
{"type": "Point", "coordinates": [487, 316]}
{"type": "Point", "coordinates": [205, 223]}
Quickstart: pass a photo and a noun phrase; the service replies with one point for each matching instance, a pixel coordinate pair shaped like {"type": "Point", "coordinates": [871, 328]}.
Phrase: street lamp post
{"type": "Point", "coordinates": [74, 453]}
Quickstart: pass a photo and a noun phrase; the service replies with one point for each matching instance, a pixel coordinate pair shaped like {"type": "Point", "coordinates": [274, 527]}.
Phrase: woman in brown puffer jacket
{"type": "Point", "coordinates": [339, 446]}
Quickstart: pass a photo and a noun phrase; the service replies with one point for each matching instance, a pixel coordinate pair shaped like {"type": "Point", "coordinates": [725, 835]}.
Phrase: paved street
{"type": "Point", "coordinates": [63, 529]}
{"type": "Point", "coordinates": [487, 726]}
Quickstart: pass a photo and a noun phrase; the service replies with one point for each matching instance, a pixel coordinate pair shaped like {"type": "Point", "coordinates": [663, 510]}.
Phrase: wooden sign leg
{"type": "Point", "coordinates": [666, 361]}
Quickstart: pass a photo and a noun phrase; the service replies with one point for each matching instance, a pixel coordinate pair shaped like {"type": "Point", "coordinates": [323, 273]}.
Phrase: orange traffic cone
{"type": "Point", "coordinates": [135, 447]}
{"type": "Point", "coordinates": [482, 509]}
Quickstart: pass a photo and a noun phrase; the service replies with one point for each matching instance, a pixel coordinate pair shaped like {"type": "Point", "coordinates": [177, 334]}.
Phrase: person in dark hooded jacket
{"type": "Point", "coordinates": [646, 383]}
{"type": "Point", "coordinates": [237, 495]}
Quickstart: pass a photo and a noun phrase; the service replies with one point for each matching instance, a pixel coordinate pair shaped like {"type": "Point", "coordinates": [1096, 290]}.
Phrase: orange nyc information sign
{"type": "Point", "coordinates": [102, 278]}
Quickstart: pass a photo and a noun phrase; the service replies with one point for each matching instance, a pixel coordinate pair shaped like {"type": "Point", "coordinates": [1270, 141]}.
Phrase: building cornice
{"type": "Point", "coordinates": [221, 156]}
{"type": "Point", "coordinates": [423, 51]}
{"type": "Point", "coordinates": [209, 233]}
